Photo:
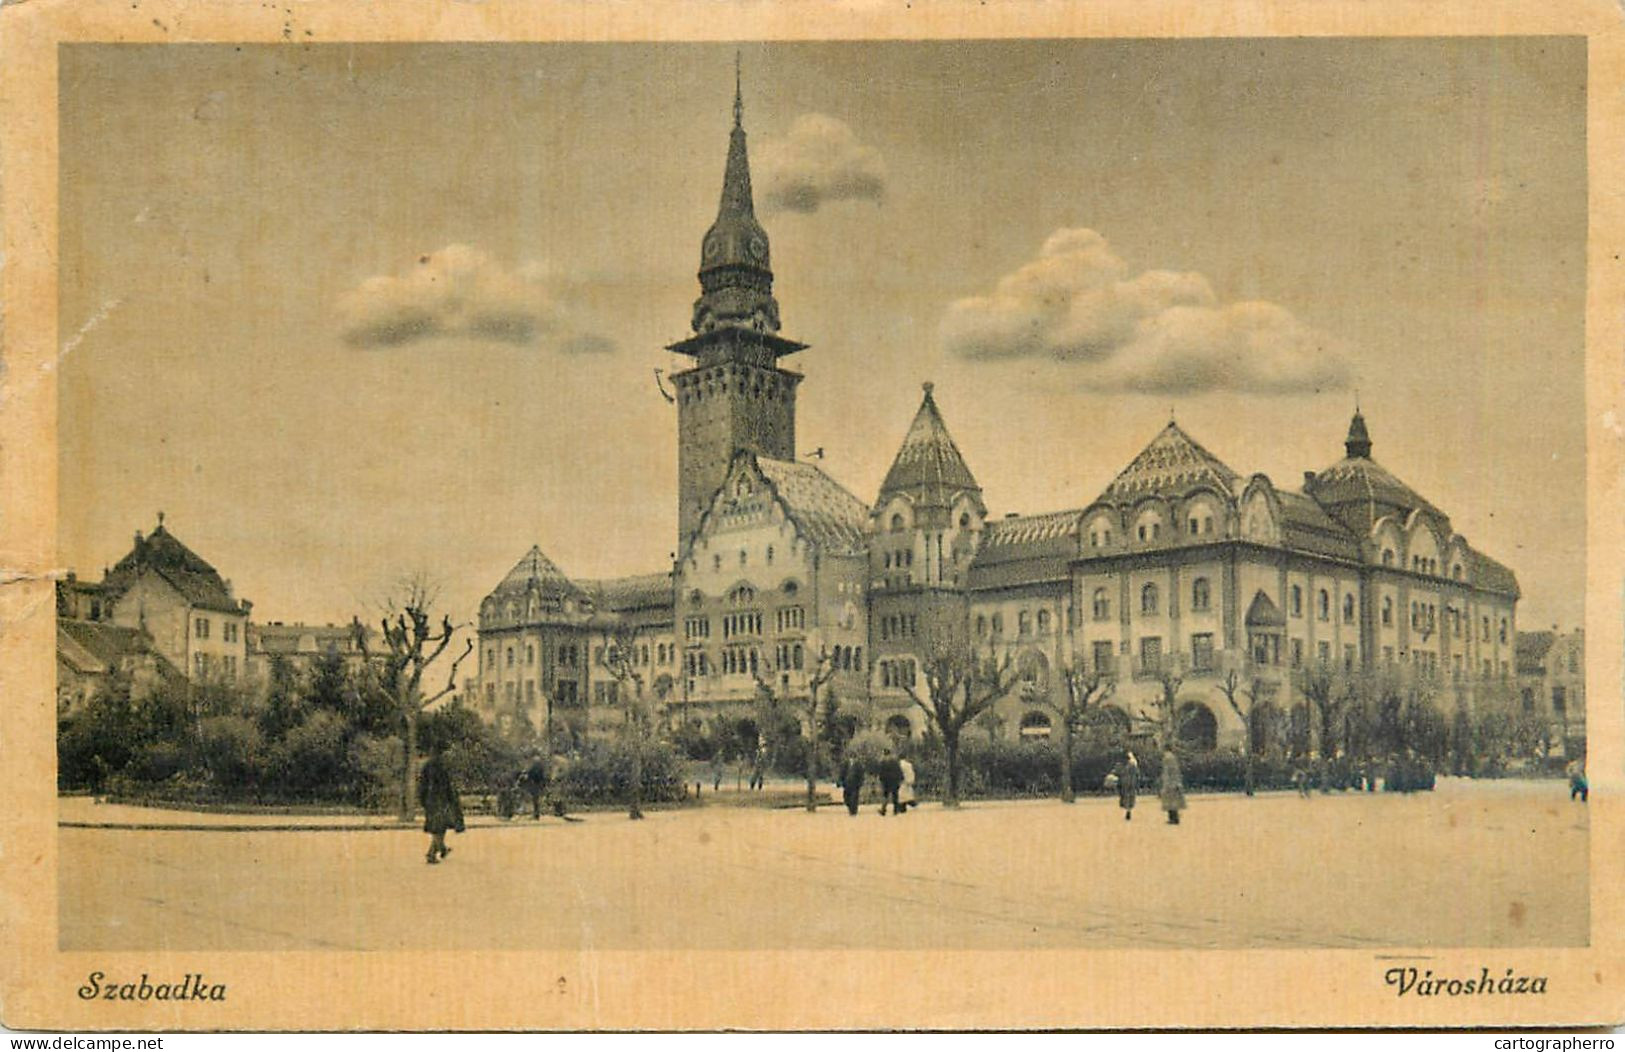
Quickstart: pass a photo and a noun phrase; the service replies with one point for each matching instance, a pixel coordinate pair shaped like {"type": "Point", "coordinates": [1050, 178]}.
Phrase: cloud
{"type": "Point", "coordinates": [460, 291]}
{"type": "Point", "coordinates": [820, 161]}
{"type": "Point", "coordinates": [1156, 332]}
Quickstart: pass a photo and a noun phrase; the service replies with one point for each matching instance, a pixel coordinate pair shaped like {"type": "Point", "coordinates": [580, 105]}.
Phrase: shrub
{"type": "Point", "coordinates": [602, 773]}
{"type": "Point", "coordinates": [312, 758]}
{"type": "Point", "coordinates": [376, 759]}
{"type": "Point", "coordinates": [230, 749]}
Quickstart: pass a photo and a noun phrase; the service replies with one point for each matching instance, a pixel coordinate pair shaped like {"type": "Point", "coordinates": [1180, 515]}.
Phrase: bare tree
{"type": "Point", "coordinates": [1164, 709]}
{"type": "Point", "coordinates": [1234, 693]}
{"type": "Point", "coordinates": [1086, 691]}
{"type": "Point", "coordinates": [412, 644]}
{"type": "Point", "coordinates": [960, 686]}
{"type": "Point", "coordinates": [823, 670]}
{"type": "Point", "coordinates": [617, 654]}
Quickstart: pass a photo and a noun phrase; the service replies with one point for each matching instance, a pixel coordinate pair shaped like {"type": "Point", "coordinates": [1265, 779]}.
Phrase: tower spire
{"type": "Point", "coordinates": [739, 92]}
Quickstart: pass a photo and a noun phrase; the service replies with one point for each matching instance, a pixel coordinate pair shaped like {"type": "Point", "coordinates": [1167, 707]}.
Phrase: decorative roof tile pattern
{"type": "Point", "coordinates": [1170, 466]}
{"type": "Point", "coordinates": [1488, 574]}
{"type": "Point", "coordinates": [536, 567]}
{"type": "Point", "coordinates": [640, 592]}
{"type": "Point", "coordinates": [832, 518]}
{"type": "Point", "coordinates": [1263, 613]}
{"type": "Point", "coordinates": [1359, 491]}
{"type": "Point", "coordinates": [1027, 549]}
{"type": "Point", "coordinates": [163, 554]}
{"type": "Point", "coordinates": [928, 467]}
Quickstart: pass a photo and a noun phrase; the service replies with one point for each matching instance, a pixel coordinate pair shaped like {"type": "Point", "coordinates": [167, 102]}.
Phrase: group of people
{"type": "Point", "coordinates": [1171, 789]}
{"type": "Point", "coordinates": [896, 776]}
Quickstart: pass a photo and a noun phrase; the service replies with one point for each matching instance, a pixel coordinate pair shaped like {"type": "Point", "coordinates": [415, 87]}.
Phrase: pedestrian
{"type": "Point", "coordinates": [905, 795]}
{"type": "Point", "coordinates": [891, 780]}
{"type": "Point", "coordinates": [852, 783]}
{"type": "Point", "coordinates": [1300, 781]}
{"type": "Point", "coordinates": [441, 808]}
{"type": "Point", "coordinates": [719, 767]}
{"type": "Point", "coordinates": [1128, 785]}
{"type": "Point", "coordinates": [534, 782]}
{"type": "Point", "coordinates": [1173, 787]}
{"type": "Point", "coordinates": [1579, 788]}
{"type": "Point", "coordinates": [758, 768]}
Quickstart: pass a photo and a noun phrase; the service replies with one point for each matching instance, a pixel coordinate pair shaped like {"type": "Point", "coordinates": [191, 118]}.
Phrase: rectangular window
{"type": "Point", "coordinates": [1151, 654]}
{"type": "Point", "coordinates": [1103, 656]}
{"type": "Point", "coordinates": [200, 664]}
{"type": "Point", "coordinates": [1297, 653]}
{"type": "Point", "coordinates": [1323, 651]}
{"type": "Point", "coordinates": [1348, 657]}
{"type": "Point", "coordinates": [1560, 700]}
{"type": "Point", "coordinates": [201, 628]}
{"type": "Point", "coordinates": [1202, 651]}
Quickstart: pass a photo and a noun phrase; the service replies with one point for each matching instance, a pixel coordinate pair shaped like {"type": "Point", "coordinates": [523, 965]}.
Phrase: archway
{"type": "Point", "coordinates": [899, 727]}
{"type": "Point", "coordinates": [1197, 728]}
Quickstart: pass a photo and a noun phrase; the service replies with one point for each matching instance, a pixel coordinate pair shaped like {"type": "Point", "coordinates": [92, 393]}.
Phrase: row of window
{"type": "Point", "coordinates": [744, 623]}
{"type": "Point", "coordinates": [203, 665]}
{"type": "Point", "coordinates": [900, 559]}
{"type": "Point", "coordinates": [1198, 526]}
{"type": "Point", "coordinates": [744, 558]}
{"type": "Point", "coordinates": [201, 627]}
{"type": "Point", "coordinates": [738, 659]}
{"type": "Point", "coordinates": [897, 672]}
{"type": "Point", "coordinates": [1024, 623]}
{"type": "Point", "coordinates": [569, 656]}
{"type": "Point", "coordinates": [898, 626]}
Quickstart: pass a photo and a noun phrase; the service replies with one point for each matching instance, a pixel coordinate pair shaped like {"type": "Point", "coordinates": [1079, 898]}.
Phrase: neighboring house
{"type": "Point", "coordinates": [90, 655]}
{"type": "Point", "coordinates": [1551, 682]}
{"type": "Point", "coordinates": [182, 605]}
{"type": "Point", "coordinates": [300, 646]}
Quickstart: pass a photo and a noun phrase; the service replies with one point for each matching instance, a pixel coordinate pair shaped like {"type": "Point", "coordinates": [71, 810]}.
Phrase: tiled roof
{"type": "Point", "coordinates": [96, 647]}
{"type": "Point", "coordinates": [1306, 527]}
{"type": "Point", "coordinates": [832, 518]}
{"type": "Point", "coordinates": [286, 638]}
{"type": "Point", "coordinates": [643, 591]}
{"type": "Point", "coordinates": [928, 466]}
{"type": "Point", "coordinates": [1490, 575]}
{"type": "Point", "coordinates": [163, 554]}
{"type": "Point", "coordinates": [1171, 465]}
{"type": "Point", "coordinates": [1359, 491]}
{"type": "Point", "coordinates": [1026, 549]}
{"type": "Point", "coordinates": [536, 568]}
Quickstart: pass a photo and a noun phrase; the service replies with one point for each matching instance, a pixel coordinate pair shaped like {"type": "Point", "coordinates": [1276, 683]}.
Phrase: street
{"type": "Point", "coordinates": [1473, 864]}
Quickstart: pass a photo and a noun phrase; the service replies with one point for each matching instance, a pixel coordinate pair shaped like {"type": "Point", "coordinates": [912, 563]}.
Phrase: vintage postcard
{"type": "Point", "coordinates": [679, 516]}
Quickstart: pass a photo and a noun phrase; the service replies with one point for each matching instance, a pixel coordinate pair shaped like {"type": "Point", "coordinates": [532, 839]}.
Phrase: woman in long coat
{"type": "Point", "coordinates": [1128, 786]}
{"type": "Point", "coordinates": [1173, 787]}
{"type": "Point", "coordinates": [852, 784]}
{"type": "Point", "coordinates": [441, 808]}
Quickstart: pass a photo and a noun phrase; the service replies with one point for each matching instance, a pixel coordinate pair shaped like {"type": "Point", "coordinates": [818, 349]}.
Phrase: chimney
{"type": "Point", "coordinates": [1308, 478]}
{"type": "Point", "coordinates": [138, 538]}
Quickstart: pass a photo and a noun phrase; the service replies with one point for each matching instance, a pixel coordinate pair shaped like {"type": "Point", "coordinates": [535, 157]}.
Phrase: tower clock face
{"type": "Point", "coordinates": [712, 248]}
{"type": "Point", "coordinates": [758, 249]}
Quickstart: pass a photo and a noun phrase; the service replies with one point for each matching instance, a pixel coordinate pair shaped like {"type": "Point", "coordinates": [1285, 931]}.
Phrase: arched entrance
{"type": "Point", "coordinates": [1197, 728]}
{"type": "Point", "coordinates": [899, 727]}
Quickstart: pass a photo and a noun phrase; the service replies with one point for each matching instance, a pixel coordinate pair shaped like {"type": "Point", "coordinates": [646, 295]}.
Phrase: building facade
{"type": "Point", "coordinates": [1182, 575]}
{"type": "Point", "coordinates": [1551, 670]}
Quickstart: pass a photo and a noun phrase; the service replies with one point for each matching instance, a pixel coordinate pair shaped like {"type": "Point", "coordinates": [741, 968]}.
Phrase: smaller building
{"type": "Point", "coordinates": [92, 655]}
{"type": "Point", "coordinates": [1552, 683]}
{"type": "Point", "coordinates": [300, 646]}
{"type": "Point", "coordinates": [176, 600]}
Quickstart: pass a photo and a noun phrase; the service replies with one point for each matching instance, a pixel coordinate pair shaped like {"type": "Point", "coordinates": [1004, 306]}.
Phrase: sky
{"type": "Point", "coordinates": [346, 313]}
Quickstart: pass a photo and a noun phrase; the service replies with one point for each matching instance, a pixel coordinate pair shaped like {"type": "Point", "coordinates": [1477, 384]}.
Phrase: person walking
{"type": "Point", "coordinates": [852, 784]}
{"type": "Point", "coordinates": [1173, 787]}
{"type": "Point", "coordinates": [534, 783]}
{"type": "Point", "coordinates": [905, 795]}
{"type": "Point", "coordinates": [758, 768]}
{"type": "Point", "coordinates": [891, 780]}
{"type": "Point", "coordinates": [1128, 785]}
{"type": "Point", "coordinates": [719, 767]}
{"type": "Point", "coordinates": [442, 810]}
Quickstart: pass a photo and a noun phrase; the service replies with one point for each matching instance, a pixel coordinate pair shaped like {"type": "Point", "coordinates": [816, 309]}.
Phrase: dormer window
{"type": "Point", "coordinates": [897, 522]}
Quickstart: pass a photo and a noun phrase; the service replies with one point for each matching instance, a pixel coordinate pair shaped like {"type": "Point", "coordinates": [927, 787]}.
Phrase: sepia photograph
{"type": "Point", "coordinates": [952, 498]}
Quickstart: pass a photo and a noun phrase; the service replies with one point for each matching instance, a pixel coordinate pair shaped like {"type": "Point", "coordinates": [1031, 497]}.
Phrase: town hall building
{"type": "Point", "coordinates": [1182, 574]}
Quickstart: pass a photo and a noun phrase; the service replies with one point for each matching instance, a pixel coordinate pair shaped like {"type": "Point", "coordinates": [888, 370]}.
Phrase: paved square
{"type": "Point", "coordinates": [1474, 864]}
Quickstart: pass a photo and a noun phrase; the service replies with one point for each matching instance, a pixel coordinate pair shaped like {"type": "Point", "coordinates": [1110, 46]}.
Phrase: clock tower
{"type": "Point", "coordinates": [735, 396]}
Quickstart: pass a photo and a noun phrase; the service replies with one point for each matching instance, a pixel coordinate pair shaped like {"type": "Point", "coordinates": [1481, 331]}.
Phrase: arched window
{"type": "Point", "coordinates": [897, 522]}
{"type": "Point", "coordinates": [998, 624]}
{"type": "Point", "coordinates": [1024, 622]}
{"type": "Point", "coordinates": [1387, 609]}
{"type": "Point", "coordinates": [716, 562]}
{"type": "Point", "coordinates": [1325, 607]}
{"type": "Point", "coordinates": [510, 657]}
{"type": "Point", "coordinates": [1102, 606]}
{"type": "Point", "coordinates": [1297, 601]}
{"type": "Point", "coordinates": [1148, 599]}
{"type": "Point", "coordinates": [1201, 595]}
{"type": "Point", "coordinates": [964, 519]}
{"type": "Point", "coordinates": [1348, 606]}
{"type": "Point", "coordinates": [1503, 630]}
{"type": "Point", "coordinates": [530, 654]}
{"type": "Point", "coordinates": [981, 625]}
{"type": "Point", "coordinates": [1387, 557]}
{"type": "Point", "coordinates": [1043, 622]}
{"type": "Point", "coordinates": [770, 555]}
